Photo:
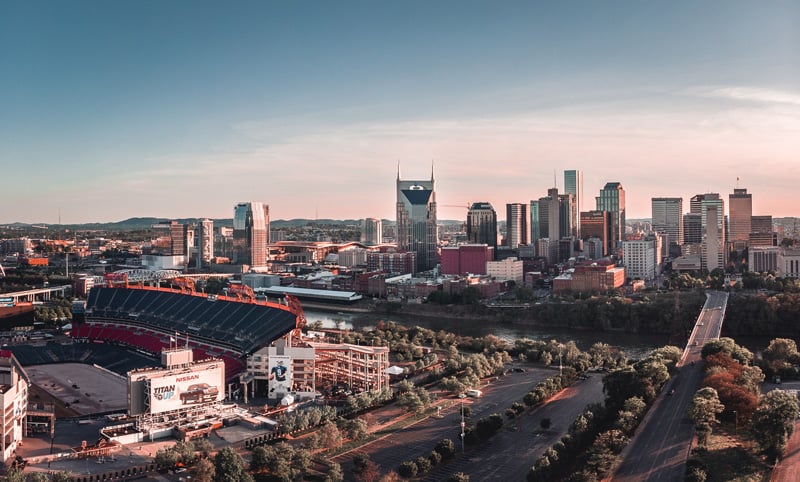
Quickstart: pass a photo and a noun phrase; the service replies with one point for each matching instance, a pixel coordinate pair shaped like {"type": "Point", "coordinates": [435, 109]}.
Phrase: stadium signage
{"type": "Point", "coordinates": [187, 378]}
{"type": "Point", "coordinates": [200, 385]}
{"type": "Point", "coordinates": [164, 393]}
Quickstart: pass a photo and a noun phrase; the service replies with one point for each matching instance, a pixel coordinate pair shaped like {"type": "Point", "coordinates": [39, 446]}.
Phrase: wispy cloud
{"type": "Point", "coordinates": [750, 94]}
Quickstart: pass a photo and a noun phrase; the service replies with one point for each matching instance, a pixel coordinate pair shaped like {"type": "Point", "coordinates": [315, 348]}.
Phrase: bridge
{"type": "Point", "coordinates": [660, 448]}
{"type": "Point", "coordinates": [40, 294]}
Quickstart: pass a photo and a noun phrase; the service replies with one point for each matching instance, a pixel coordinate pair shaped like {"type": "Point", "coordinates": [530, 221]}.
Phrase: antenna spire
{"type": "Point", "coordinates": [431, 170]}
{"type": "Point", "coordinates": [398, 169]}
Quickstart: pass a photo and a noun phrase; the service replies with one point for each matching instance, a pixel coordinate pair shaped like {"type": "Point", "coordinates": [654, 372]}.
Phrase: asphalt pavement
{"type": "Point", "coordinates": [661, 446]}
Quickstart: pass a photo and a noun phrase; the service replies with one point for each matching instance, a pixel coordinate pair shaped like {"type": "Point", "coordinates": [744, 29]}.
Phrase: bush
{"type": "Point", "coordinates": [423, 464]}
{"type": "Point", "coordinates": [446, 448]}
{"type": "Point", "coordinates": [458, 477]}
{"type": "Point", "coordinates": [407, 469]}
{"type": "Point", "coordinates": [435, 458]}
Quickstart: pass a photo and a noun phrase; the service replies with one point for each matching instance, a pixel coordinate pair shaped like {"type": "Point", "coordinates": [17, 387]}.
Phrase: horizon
{"type": "Point", "coordinates": [187, 108]}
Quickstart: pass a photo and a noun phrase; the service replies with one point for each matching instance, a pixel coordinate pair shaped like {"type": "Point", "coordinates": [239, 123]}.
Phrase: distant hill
{"type": "Point", "coordinates": [135, 224]}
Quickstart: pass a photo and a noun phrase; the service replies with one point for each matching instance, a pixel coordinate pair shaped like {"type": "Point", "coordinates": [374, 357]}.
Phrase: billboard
{"type": "Point", "coordinates": [201, 383]}
{"type": "Point", "coordinates": [280, 375]}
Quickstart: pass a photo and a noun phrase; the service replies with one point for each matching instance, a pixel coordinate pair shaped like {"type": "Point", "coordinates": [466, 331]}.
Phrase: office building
{"type": "Point", "coordinates": [761, 232]}
{"type": "Point", "coordinates": [536, 233]}
{"type": "Point", "coordinates": [612, 199]}
{"type": "Point", "coordinates": [251, 234]}
{"type": "Point", "coordinates": [417, 230]}
{"type": "Point", "coordinates": [668, 218]}
{"type": "Point", "coordinates": [394, 263]}
{"type": "Point", "coordinates": [205, 240]}
{"type": "Point", "coordinates": [741, 213]}
{"type": "Point", "coordinates": [516, 224]}
{"type": "Point", "coordinates": [763, 259]}
{"type": "Point", "coordinates": [482, 224]}
{"type": "Point", "coordinates": [692, 228]}
{"type": "Point", "coordinates": [789, 263]}
{"type": "Point", "coordinates": [372, 231]}
{"type": "Point", "coordinates": [566, 216]}
{"type": "Point", "coordinates": [466, 259]}
{"type": "Point", "coordinates": [573, 184]}
{"type": "Point", "coordinates": [510, 269]}
{"type": "Point", "coordinates": [598, 224]}
{"type": "Point", "coordinates": [588, 278]}
{"type": "Point", "coordinates": [639, 259]}
{"type": "Point", "coordinates": [713, 237]}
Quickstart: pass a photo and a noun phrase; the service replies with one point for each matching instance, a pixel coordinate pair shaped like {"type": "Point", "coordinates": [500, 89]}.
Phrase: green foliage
{"type": "Point", "coordinates": [203, 471]}
{"type": "Point", "coordinates": [407, 469]}
{"type": "Point", "coordinates": [773, 422]}
{"type": "Point", "coordinates": [229, 467]}
{"type": "Point", "coordinates": [703, 412]}
{"type": "Point", "coordinates": [446, 448]}
{"type": "Point", "coordinates": [458, 477]}
{"type": "Point", "coordinates": [335, 473]}
{"type": "Point", "coordinates": [729, 347]}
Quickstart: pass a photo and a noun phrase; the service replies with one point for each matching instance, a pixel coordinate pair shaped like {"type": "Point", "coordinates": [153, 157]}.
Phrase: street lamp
{"type": "Point", "coordinates": [735, 423]}
{"type": "Point", "coordinates": [463, 425]}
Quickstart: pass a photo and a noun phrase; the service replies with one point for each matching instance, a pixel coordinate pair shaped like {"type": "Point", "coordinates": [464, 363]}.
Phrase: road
{"type": "Point", "coordinates": [659, 450]}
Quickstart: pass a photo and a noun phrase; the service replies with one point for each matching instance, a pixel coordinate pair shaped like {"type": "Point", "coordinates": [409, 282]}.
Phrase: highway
{"type": "Point", "coordinates": [659, 450]}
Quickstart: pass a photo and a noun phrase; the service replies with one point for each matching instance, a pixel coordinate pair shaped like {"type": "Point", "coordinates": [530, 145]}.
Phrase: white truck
{"type": "Point", "coordinates": [474, 393]}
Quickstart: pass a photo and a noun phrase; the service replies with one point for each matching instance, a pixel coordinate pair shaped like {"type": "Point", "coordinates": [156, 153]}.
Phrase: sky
{"type": "Point", "coordinates": [111, 110]}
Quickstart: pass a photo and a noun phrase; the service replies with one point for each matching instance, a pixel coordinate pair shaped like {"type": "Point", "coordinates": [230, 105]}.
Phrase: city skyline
{"type": "Point", "coordinates": [185, 109]}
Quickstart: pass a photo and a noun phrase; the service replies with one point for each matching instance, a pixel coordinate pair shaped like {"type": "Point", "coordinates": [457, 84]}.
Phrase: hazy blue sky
{"type": "Point", "coordinates": [110, 110]}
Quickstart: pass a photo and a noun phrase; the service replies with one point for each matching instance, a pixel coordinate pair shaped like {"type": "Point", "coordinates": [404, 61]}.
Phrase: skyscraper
{"type": "Point", "coordinates": [251, 233]}
{"type": "Point", "coordinates": [482, 224]}
{"type": "Point", "coordinates": [597, 224]}
{"type": "Point", "coordinates": [536, 234]}
{"type": "Point", "coordinates": [417, 230]}
{"type": "Point", "coordinates": [573, 184]}
{"type": "Point", "coordinates": [205, 242]}
{"type": "Point", "coordinates": [668, 218]}
{"type": "Point", "coordinates": [712, 211]}
{"type": "Point", "coordinates": [741, 213]}
{"type": "Point", "coordinates": [566, 216]}
{"type": "Point", "coordinates": [372, 231]}
{"type": "Point", "coordinates": [612, 199]}
{"type": "Point", "coordinates": [516, 224]}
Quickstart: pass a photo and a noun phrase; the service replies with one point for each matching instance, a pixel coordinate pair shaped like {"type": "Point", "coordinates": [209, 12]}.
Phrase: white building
{"type": "Point", "coordinates": [507, 269]}
{"type": "Point", "coordinates": [351, 257]}
{"type": "Point", "coordinates": [14, 400]}
{"type": "Point", "coordinates": [763, 259]}
{"type": "Point", "coordinates": [639, 259]}
{"type": "Point", "coordinates": [789, 263]}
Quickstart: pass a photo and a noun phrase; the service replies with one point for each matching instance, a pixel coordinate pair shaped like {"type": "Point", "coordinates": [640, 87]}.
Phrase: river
{"type": "Point", "coordinates": [634, 345]}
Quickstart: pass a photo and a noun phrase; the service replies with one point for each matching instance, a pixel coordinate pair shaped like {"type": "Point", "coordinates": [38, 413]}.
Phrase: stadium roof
{"type": "Point", "coordinates": [311, 294]}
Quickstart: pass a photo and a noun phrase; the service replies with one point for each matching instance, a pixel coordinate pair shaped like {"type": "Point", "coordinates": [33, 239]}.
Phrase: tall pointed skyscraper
{"type": "Point", "coordinates": [417, 230]}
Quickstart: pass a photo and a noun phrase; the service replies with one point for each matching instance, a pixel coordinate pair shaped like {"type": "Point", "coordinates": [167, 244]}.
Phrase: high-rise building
{"type": "Point", "coordinates": [612, 199]}
{"type": "Point", "coordinates": [482, 224]}
{"type": "Point", "coordinates": [417, 230]}
{"type": "Point", "coordinates": [741, 213]}
{"type": "Point", "coordinates": [639, 258]}
{"type": "Point", "coordinates": [692, 228]}
{"type": "Point", "coordinates": [553, 215]}
{"type": "Point", "coordinates": [566, 216]}
{"type": "Point", "coordinates": [573, 184]}
{"type": "Point", "coordinates": [668, 217]}
{"type": "Point", "coordinates": [761, 232]}
{"type": "Point", "coordinates": [205, 240]}
{"type": "Point", "coordinates": [516, 224]}
{"type": "Point", "coordinates": [251, 233]}
{"type": "Point", "coordinates": [598, 225]}
{"type": "Point", "coordinates": [536, 234]}
{"type": "Point", "coordinates": [713, 243]}
{"type": "Point", "coordinates": [372, 231]}
{"type": "Point", "coordinates": [543, 211]}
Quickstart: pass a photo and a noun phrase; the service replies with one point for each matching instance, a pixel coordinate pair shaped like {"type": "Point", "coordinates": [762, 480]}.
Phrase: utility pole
{"type": "Point", "coordinates": [463, 426]}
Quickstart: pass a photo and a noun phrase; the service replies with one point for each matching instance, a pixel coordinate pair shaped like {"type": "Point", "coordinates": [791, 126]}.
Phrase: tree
{"type": "Point", "coordinates": [15, 475]}
{"type": "Point", "coordinates": [780, 354]}
{"type": "Point", "coordinates": [335, 473]}
{"type": "Point", "coordinates": [446, 448]}
{"type": "Point", "coordinates": [356, 429]}
{"type": "Point", "coordinates": [203, 471]}
{"type": "Point", "coordinates": [36, 477]}
{"type": "Point", "coordinates": [408, 469]}
{"type": "Point", "coordinates": [166, 457]}
{"type": "Point", "coordinates": [458, 477]}
{"type": "Point", "coordinates": [330, 437]}
{"type": "Point", "coordinates": [773, 421]}
{"type": "Point", "coordinates": [703, 412]}
{"type": "Point", "coordinates": [64, 477]}
{"type": "Point", "coordinates": [229, 467]}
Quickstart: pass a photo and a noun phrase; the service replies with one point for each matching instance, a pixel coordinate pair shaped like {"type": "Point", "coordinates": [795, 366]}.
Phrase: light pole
{"type": "Point", "coordinates": [735, 422]}
{"type": "Point", "coordinates": [463, 425]}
